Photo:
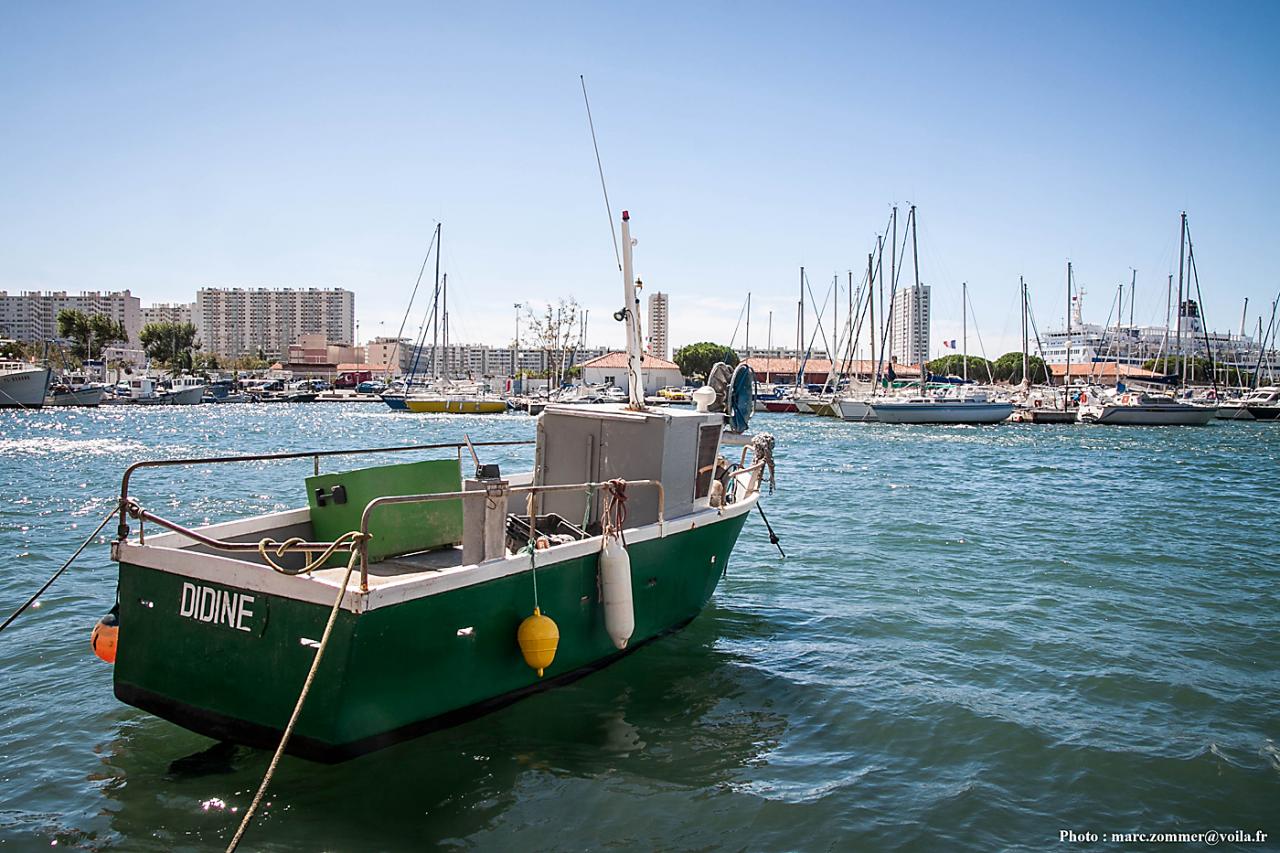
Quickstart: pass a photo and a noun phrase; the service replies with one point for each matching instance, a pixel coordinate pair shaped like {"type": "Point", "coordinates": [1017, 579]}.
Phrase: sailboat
{"type": "Point", "coordinates": [963, 404]}
{"type": "Point", "coordinates": [1122, 407]}
{"type": "Point", "coordinates": [1032, 408]}
{"type": "Point", "coordinates": [420, 597]}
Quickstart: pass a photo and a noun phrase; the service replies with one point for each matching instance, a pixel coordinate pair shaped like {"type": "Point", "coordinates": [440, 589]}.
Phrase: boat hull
{"type": "Point", "coordinates": [1148, 415]}
{"type": "Point", "coordinates": [397, 670]}
{"type": "Point", "coordinates": [456, 406]}
{"type": "Point", "coordinates": [85, 397]}
{"type": "Point", "coordinates": [1264, 413]}
{"type": "Point", "coordinates": [1041, 415]}
{"type": "Point", "coordinates": [24, 389]}
{"type": "Point", "coordinates": [854, 410]}
{"type": "Point", "coordinates": [780, 406]}
{"type": "Point", "coordinates": [191, 396]}
{"type": "Point", "coordinates": [942, 413]}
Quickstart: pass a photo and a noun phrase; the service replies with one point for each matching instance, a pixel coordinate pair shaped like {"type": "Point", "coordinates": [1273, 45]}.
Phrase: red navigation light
{"type": "Point", "coordinates": [626, 215]}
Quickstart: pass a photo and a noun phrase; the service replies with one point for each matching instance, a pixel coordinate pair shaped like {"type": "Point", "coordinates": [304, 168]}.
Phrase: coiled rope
{"type": "Point", "coordinates": [614, 514]}
{"type": "Point", "coordinates": [58, 573]}
{"type": "Point", "coordinates": [762, 450]}
{"type": "Point", "coordinates": [356, 536]}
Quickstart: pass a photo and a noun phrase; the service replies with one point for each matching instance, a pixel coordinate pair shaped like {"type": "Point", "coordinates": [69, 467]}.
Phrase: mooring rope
{"type": "Point", "coordinates": [265, 547]}
{"type": "Point", "coordinates": [58, 573]}
{"type": "Point", "coordinates": [302, 698]}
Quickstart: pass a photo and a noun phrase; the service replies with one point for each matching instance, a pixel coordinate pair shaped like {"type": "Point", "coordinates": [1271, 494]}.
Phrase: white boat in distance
{"type": "Point", "coordinates": [75, 390]}
{"type": "Point", "coordinates": [1142, 409]}
{"type": "Point", "coordinates": [854, 408]}
{"type": "Point", "coordinates": [969, 406]}
{"type": "Point", "coordinates": [22, 385]}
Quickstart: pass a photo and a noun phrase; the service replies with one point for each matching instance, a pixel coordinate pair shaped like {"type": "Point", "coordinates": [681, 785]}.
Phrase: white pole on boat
{"type": "Point", "coordinates": [635, 380]}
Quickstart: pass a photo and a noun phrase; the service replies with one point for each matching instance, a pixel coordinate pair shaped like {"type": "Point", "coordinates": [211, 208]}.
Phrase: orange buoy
{"type": "Point", "coordinates": [105, 635]}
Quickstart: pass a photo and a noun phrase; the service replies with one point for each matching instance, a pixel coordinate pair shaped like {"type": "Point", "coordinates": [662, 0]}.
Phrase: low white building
{"type": "Point", "coordinates": [611, 369]}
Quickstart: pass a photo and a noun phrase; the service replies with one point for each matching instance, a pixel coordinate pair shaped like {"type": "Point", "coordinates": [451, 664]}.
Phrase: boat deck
{"type": "Point", "coordinates": [398, 567]}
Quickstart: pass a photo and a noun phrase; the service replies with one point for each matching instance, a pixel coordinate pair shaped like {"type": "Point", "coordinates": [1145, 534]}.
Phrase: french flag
{"type": "Point", "coordinates": [951, 344]}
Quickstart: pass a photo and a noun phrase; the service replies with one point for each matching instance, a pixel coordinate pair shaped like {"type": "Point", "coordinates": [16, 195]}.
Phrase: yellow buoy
{"type": "Point", "coordinates": [538, 637]}
{"type": "Point", "coordinates": [104, 637]}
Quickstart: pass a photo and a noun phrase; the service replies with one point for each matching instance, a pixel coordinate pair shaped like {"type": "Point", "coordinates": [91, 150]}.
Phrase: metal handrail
{"type": "Point", "coordinates": [122, 529]}
{"type": "Point", "coordinates": [523, 490]}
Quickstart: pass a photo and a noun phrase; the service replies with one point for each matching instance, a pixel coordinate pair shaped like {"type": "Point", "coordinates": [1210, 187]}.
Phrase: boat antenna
{"type": "Point", "coordinates": [608, 209]}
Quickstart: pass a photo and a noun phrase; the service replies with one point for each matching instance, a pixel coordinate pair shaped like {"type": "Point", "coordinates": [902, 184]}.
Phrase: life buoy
{"type": "Point", "coordinates": [1039, 403]}
{"type": "Point", "coordinates": [1125, 400]}
{"type": "Point", "coordinates": [1084, 398]}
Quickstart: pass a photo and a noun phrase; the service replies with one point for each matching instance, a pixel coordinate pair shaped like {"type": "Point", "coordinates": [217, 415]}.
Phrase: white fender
{"type": "Point", "coordinates": [615, 592]}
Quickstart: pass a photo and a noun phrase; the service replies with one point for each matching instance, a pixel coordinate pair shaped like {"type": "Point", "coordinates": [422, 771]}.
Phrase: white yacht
{"type": "Point", "coordinates": [1263, 404]}
{"type": "Point", "coordinates": [968, 405]}
{"type": "Point", "coordinates": [184, 391]}
{"type": "Point", "coordinates": [22, 385]}
{"type": "Point", "coordinates": [1139, 408]}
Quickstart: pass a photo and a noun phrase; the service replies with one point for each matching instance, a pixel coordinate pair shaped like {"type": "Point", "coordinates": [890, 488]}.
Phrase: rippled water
{"type": "Point", "coordinates": [980, 637]}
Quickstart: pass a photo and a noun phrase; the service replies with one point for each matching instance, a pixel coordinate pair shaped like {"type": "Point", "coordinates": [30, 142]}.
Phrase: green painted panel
{"type": "Point", "coordinates": [399, 528]}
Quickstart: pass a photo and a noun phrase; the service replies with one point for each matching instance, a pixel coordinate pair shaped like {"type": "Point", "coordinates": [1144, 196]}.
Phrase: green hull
{"type": "Point", "coordinates": [398, 670]}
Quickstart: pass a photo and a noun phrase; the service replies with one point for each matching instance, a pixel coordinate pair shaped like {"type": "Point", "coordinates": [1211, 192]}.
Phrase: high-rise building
{"type": "Point", "coordinates": [32, 316]}
{"type": "Point", "coordinates": [909, 329]}
{"type": "Point", "coordinates": [169, 312]}
{"type": "Point", "coordinates": [236, 321]}
{"type": "Point", "coordinates": [658, 319]}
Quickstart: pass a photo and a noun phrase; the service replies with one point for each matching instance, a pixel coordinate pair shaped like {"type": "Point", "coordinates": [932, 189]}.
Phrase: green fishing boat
{"type": "Point", "coordinates": [414, 596]}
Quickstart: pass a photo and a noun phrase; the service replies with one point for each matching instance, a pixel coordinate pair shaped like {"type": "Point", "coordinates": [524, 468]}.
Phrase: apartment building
{"type": "Point", "coordinates": [32, 316]}
{"type": "Point", "coordinates": [235, 321]}
{"type": "Point", "coordinates": [909, 328]}
{"type": "Point", "coordinates": [658, 325]}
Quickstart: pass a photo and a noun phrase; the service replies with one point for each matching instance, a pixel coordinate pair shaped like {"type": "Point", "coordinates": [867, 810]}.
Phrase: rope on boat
{"type": "Point", "coordinates": [265, 548]}
{"type": "Point", "coordinates": [762, 449]}
{"type": "Point", "coordinates": [614, 515]}
{"type": "Point", "coordinates": [302, 697]}
{"type": "Point", "coordinates": [58, 573]}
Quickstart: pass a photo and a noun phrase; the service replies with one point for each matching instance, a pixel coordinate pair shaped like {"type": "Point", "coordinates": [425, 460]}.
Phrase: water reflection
{"type": "Point", "coordinates": [677, 714]}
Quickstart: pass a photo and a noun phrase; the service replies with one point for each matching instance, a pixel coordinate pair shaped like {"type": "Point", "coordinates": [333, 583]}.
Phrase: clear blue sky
{"type": "Point", "coordinates": [171, 146]}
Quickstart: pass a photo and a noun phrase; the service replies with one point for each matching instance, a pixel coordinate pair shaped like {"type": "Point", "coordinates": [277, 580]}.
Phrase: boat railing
{"type": "Point", "coordinates": [122, 529]}
{"type": "Point", "coordinates": [530, 491]}
{"type": "Point", "coordinates": [131, 509]}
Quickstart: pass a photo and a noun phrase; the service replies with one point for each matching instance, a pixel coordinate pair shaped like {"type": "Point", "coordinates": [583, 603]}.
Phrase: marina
{"type": "Point", "coordinates": [660, 427]}
{"type": "Point", "coordinates": [1035, 658]}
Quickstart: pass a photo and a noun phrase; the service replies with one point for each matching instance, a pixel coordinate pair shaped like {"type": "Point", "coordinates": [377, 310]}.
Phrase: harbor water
{"type": "Point", "coordinates": [980, 638]}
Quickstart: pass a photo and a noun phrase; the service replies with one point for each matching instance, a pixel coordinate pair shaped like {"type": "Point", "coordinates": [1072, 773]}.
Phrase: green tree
{"type": "Point", "coordinates": [89, 333]}
{"type": "Point", "coordinates": [953, 365]}
{"type": "Point", "coordinates": [1008, 368]}
{"type": "Point", "coordinates": [170, 343]}
{"type": "Point", "coordinates": [1173, 365]}
{"type": "Point", "coordinates": [15, 350]}
{"type": "Point", "coordinates": [698, 359]}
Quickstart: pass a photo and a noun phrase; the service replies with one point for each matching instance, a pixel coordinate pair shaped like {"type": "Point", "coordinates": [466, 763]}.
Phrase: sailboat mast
{"type": "Point", "coordinates": [919, 314]}
{"type": "Point", "coordinates": [964, 329]}
{"type": "Point", "coordinates": [444, 288]}
{"type": "Point", "coordinates": [435, 313]}
{"type": "Point", "coordinates": [799, 328]}
{"type": "Point", "coordinates": [893, 284]}
{"type": "Point", "coordinates": [871, 302]}
{"type": "Point", "coordinates": [1133, 291]}
{"type": "Point", "coordinates": [1026, 374]}
{"type": "Point", "coordinates": [748, 324]}
{"type": "Point", "coordinates": [1066, 378]}
{"type": "Point", "coordinates": [1182, 256]}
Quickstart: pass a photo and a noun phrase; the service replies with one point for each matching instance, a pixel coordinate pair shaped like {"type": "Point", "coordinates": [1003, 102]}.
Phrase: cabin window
{"type": "Point", "coordinates": [708, 445]}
